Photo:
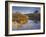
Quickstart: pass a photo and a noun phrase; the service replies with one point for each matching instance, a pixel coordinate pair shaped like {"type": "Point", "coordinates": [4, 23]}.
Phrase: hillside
{"type": "Point", "coordinates": [31, 16]}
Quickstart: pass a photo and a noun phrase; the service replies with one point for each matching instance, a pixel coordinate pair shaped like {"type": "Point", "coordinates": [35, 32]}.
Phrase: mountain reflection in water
{"type": "Point", "coordinates": [31, 25]}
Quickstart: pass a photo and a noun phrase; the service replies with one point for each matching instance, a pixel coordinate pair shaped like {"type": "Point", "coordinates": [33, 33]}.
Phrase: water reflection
{"type": "Point", "coordinates": [31, 25]}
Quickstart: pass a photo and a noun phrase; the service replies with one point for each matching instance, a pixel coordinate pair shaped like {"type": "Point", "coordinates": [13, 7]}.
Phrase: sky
{"type": "Point", "coordinates": [25, 10]}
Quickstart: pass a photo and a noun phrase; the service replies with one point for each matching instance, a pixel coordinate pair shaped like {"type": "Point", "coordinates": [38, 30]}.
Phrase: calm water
{"type": "Point", "coordinates": [31, 25]}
